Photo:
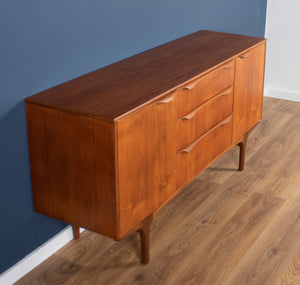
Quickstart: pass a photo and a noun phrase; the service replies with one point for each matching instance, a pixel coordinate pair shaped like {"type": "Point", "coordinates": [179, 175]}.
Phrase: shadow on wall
{"type": "Point", "coordinates": [17, 216]}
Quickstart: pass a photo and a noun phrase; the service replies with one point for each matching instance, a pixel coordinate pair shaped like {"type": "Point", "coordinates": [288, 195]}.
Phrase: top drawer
{"type": "Point", "coordinates": [200, 90]}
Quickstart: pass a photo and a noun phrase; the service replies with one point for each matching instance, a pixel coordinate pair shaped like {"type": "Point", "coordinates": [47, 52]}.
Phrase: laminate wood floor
{"type": "Point", "coordinates": [226, 227]}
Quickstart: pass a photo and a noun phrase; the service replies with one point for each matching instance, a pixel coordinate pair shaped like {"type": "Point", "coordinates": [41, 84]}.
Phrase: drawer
{"type": "Point", "coordinates": [195, 123]}
{"type": "Point", "coordinates": [197, 156]}
{"type": "Point", "coordinates": [202, 89]}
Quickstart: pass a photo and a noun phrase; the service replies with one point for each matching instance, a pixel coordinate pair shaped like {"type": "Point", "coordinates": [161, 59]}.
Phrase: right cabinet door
{"type": "Point", "coordinates": [249, 80]}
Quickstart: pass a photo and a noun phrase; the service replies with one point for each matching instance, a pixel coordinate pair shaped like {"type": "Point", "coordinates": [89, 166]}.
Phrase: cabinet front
{"type": "Point", "coordinates": [249, 81]}
{"type": "Point", "coordinates": [146, 161]}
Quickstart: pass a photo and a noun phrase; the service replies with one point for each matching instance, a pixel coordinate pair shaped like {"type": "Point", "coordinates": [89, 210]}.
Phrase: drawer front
{"type": "Point", "coordinates": [197, 156]}
{"type": "Point", "coordinates": [195, 123]}
{"type": "Point", "coordinates": [200, 90]}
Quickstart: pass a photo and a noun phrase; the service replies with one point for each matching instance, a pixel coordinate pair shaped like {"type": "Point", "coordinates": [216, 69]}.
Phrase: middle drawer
{"type": "Point", "coordinates": [195, 123]}
{"type": "Point", "coordinates": [204, 88]}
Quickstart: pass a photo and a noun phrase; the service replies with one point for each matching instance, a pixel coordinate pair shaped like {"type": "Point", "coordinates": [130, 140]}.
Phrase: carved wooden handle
{"type": "Point", "coordinates": [225, 92]}
{"type": "Point", "coordinates": [194, 83]}
{"type": "Point", "coordinates": [227, 120]}
{"type": "Point", "coordinates": [245, 55]}
{"type": "Point", "coordinates": [189, 148]}
{"type": "Point", "coordinates": [229, 65]}
{"type": "Point", "coordinates": [191, 114]}
{"type": "Point", "coordinates": [191, 86]}
{"type": "Point", "coordinates": [165, 100]}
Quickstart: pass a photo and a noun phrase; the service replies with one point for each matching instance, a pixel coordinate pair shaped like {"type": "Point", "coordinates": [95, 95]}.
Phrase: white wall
{"type": "Point", "coordinates": [282, 79]}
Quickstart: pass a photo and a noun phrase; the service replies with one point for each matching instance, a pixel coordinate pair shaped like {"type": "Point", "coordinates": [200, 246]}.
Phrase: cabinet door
{"type": "Point", "coordinates": [146, 161]}
{"type": "Point", "coordinates": [248, 90]}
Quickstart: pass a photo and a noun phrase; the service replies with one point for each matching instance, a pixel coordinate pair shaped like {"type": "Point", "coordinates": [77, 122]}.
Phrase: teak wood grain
{"type": "Point", "coordinates": [73, 168]}
{"type": "Point", "coordinates": [248, 90]}
{"type": "Point", "coordinates": [120, 88]}
{"type": "Point", "coordinates": [146, 159]}
{"type": "Point", "coordinates": [110, 149]}
{"type": "Point", "coordinates": [196, 157]}
{"type": "Point", "coordinates": [202, 89]}
{"type": "Point", "coordinates": [249, 220]}
{"type": "Point", "coordinates": [198, 121]}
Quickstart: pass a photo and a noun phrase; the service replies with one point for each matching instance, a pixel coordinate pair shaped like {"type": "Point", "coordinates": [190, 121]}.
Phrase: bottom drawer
{"type": "Point", "coordinates": [198, 155]}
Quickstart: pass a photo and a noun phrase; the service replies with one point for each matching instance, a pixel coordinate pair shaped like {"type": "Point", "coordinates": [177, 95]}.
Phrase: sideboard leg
{"type": "Point", "coordinates": [242, 146]}
{"type": "Point", "coordinates": [145, 239]}
{"type": "Point", "coordinates": [76, 232]}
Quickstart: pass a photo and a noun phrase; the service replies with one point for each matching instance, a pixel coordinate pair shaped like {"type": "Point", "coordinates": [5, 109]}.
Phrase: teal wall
{"type": "Point", "coordinates": [44, 43]}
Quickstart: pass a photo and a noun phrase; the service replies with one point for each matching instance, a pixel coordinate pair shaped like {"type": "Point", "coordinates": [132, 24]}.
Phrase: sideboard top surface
{"type": "Point", "coordinates": [117, 89]}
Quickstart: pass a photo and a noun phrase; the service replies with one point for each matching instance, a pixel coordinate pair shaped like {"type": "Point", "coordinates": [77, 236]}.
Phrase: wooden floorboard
{"type": "Point", "coordinates": [226, 228]}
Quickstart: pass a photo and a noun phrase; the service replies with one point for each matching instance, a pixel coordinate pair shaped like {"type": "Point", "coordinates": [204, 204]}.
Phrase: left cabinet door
{"type": "Point", "coordinates": [146, 161]}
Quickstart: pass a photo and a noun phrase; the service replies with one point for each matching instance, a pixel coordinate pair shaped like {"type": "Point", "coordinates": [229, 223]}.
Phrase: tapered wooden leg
{"type": "Point", "coordinates": [76, 232]}
{"type": "Point", "coordinates": [145, 239]}
{"type": "Point", "coordinates": [242, 146]}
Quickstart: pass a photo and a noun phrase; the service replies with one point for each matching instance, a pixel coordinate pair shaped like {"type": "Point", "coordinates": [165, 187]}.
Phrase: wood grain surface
{"type": "Point", "coordinates": [137, 80]}
{"type": "Point", "coordinates": [146, 161]}
{"type": "Point", "coordinates": [226, 227]}
{"type": "Point", "coordinates": [198, 121]}
{"type": "Point", "coordinates": [249, 84]}
{"type": "Point", "coordinates": [72, 168]}
{"type": "Point", "coordinates": [195, 157]}
{"type": "Point", "coordinates": [197, 92]}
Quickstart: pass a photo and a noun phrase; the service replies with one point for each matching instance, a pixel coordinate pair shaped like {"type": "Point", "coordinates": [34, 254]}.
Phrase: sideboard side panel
{"type": "Point", "coordinates": [146, 161]}
{"type": "Point", "coordinates": [73, 168]}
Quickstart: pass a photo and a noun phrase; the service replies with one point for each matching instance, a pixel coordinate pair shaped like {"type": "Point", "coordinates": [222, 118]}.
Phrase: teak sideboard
{"type": "Point", "coordinates": [109, 149]}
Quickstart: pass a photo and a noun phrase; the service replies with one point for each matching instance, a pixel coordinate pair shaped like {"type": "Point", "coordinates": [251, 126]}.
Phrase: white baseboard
{"type": "Point", "coordinates": [36, 257]}
{"type": "Point", "coordinates": [281, 94]}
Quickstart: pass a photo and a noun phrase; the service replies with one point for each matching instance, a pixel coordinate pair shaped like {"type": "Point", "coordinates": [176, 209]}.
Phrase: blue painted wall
{"type": "Point", "coordinates": [44, 43]}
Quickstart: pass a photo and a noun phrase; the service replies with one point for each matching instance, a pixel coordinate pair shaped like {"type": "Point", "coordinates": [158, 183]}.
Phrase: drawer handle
{"type": "Point", "coordinates": [165, 100]}
{"type": "Point", "coordinates": [191, 114]}
{"type": "Point", "coordinates": [227, 66]}
{"type": "Point", "coordinates": [225, 92]}
{"type": "Point", "coordinates": [227, 120]}
{"type": "Point", "coordinates": [245, 55]}
{"type": "Point", "coordinates": [193, 84]}
{"type": "Point", "coordinates": [190, 147]}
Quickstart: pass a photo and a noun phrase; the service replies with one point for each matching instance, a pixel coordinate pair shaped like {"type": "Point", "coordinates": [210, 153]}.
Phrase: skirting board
{"type": "Point", "coordinates": [281, 94]}
{"type": "Point", "coordinates": [36, 257]}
